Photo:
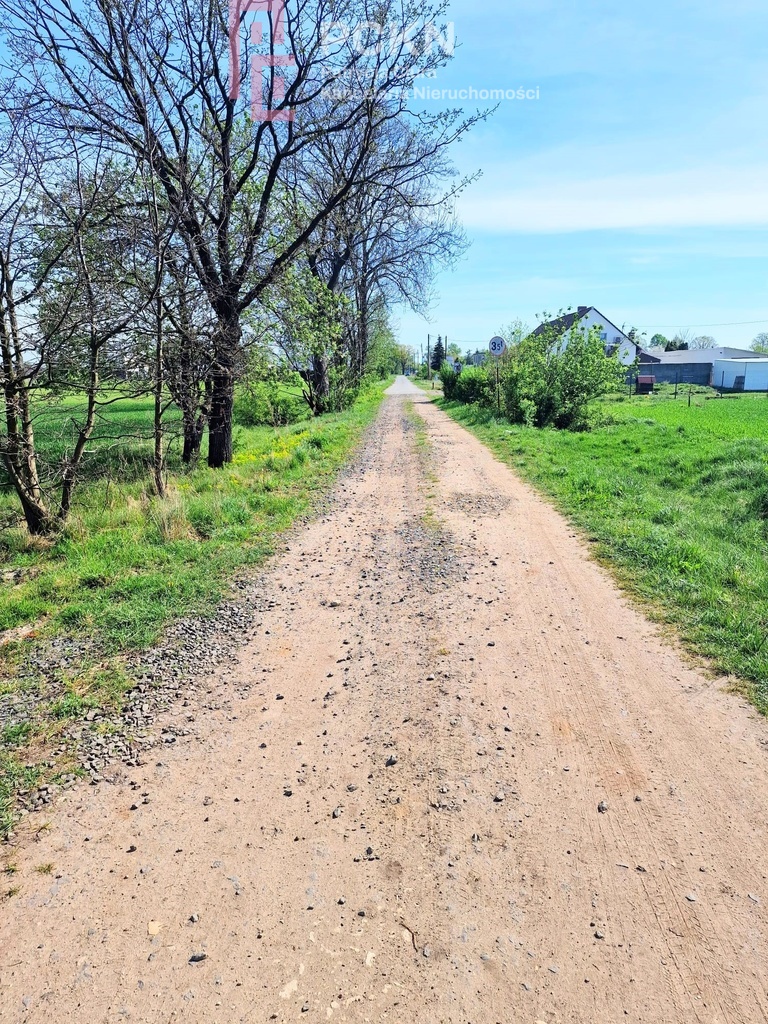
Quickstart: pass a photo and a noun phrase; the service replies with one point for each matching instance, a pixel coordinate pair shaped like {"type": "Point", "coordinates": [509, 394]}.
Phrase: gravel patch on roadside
{"type": "Point", "coordinates": [176, 672]}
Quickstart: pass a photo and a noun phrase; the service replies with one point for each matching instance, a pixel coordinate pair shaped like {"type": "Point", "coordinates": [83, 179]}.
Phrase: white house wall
{"type": "Point", "coordinates": [612, 334]}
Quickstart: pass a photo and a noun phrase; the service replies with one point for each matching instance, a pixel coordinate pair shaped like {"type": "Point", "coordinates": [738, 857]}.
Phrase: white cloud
{"type": "Point", "coordinates": [705, 197]}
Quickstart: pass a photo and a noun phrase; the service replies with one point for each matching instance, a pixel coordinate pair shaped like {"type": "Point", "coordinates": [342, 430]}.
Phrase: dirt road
{"type": "Point", "coordinates": [457, 779]}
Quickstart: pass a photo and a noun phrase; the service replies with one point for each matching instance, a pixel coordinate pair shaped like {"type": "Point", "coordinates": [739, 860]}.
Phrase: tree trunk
{"type": "Point", "coordinates": [189, 451]}
{"type": "Point", "coordinates": [19, 453]}
{"type": "Point", "coordinates": [39, 521]}
{"type": "Point", "coordinates": [220, 427]}
{"type": "Point", "coordinates": [321, 385]}
{"type": "Point", "coordinates": [362, 350]}
{"type": "Point", "coordinates": [361, 339]}
{"type": "Point", "coordinates": [158, 464]}
{"type": "Point", "coordinates": [223, 390]}
{"type": "Point", "coordinates": [196, 417]}
{"type": "Point", "coordinates": [72, 466]}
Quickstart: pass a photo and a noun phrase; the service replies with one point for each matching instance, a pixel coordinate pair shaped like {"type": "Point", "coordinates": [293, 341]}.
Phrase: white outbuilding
{"type": "Point", "coordinates": [741, 374]}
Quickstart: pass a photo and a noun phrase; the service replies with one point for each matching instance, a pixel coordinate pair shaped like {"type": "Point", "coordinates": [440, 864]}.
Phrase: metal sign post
{"type": "Point", "coordinates": [497, 347]}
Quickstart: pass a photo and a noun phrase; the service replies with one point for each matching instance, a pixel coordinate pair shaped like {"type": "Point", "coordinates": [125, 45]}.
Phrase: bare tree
{"type": "Point", "coordinates": [682, 340]}
{"type": "Point", "coordinates": [387, 238]}
{"type": "Point", "coordinates": [187, 353]}
{"type": "Point", "coordinates": [152, 77]}
{"type": "Point", "coordinates": [703, 341]}
{"type": "Point", "coordinates": [68, 298]}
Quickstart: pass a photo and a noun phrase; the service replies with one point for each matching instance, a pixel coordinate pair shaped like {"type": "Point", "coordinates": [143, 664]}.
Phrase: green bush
{"type": "Point", "coordinates": [449, 377]}
{"type": "Point", "coordinates": [546, 382]}
{"type": "Point", "coordinates": [473, 385]}
{"type": "Point", "coordinates": [550, 383]}
{"type": "Point", "coordinates": [270, 404]}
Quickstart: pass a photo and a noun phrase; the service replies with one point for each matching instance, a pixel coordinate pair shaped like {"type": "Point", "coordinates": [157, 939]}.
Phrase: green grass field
{"type": "Point", "coordinates": [675, 500]}
{"type": "Point", "coordinates": [128, 563]}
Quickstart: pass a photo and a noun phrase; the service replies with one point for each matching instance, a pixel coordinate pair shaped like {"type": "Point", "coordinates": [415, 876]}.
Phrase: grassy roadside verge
{"type": "Point", "coordinates": [675, 501]}
{"type": "Point", "coordinates": [128, 564]}
{"type": "Point", "coordinates": [434, 386]}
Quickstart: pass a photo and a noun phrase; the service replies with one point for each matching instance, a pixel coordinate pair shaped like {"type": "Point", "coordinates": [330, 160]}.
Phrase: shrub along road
{"type": "Point", "coordinates": [454, 778]}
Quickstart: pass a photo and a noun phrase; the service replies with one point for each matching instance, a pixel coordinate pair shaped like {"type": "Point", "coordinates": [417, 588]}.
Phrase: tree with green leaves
{"type": "Point", "coordinates": [406, 358]}
{"type": "Point", "coordinates": [310, 318]}
{"type": "Point", "coordinates": [635, 335]}
{"type": "Point", "coordinates": [385, 356]}
{"type": "Point", "coordinates": [760, 342]}
{"type": "Point", "coordinates": [550, 379]}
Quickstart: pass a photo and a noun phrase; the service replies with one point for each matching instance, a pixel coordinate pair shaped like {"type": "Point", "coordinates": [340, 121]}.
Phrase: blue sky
{"type": "Point", "coordinates": [637, 182]}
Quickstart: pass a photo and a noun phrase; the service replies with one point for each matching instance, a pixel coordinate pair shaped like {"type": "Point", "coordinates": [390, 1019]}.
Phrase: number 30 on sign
{"type": "Point", "coordinates": [497, 346]}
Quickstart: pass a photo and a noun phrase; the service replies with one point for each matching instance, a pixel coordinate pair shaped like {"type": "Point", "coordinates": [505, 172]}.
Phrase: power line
{"type": "Point", "coordinates": [682, 327]}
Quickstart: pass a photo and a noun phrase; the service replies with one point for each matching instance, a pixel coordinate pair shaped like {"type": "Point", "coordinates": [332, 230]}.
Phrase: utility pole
{"type": "Point", "coordinates": [429, 358]}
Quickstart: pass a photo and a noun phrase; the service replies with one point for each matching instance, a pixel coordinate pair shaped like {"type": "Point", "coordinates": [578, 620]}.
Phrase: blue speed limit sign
{"type": "Point", "coordinates": [497, 346]}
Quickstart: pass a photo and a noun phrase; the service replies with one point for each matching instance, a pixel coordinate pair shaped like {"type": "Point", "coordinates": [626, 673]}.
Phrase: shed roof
{"type": "Point", "coordinates": [706, 355]}
{"type": "Point", "coordinates": [755, 357]}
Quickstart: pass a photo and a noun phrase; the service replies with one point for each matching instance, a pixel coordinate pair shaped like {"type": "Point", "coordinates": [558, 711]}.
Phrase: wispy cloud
{"type": "Point", "coordinates": [713, 196]}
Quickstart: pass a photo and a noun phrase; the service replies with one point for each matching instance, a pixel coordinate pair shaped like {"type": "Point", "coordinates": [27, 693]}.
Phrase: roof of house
{"type": "Point", "coordinates": [705, 355]}
{"type": "Point", "coordinates": [563, 324]}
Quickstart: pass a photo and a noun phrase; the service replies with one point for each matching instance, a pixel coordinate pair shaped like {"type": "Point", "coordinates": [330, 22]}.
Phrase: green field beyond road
{"type": "Point", "coordinates": [675, 500]}
{"type": "Point", "coordinates": [127, 562]}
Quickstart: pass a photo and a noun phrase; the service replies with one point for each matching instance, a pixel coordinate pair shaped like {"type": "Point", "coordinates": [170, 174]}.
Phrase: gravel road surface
{"type": "Point", "coordinates": [451, 777]}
